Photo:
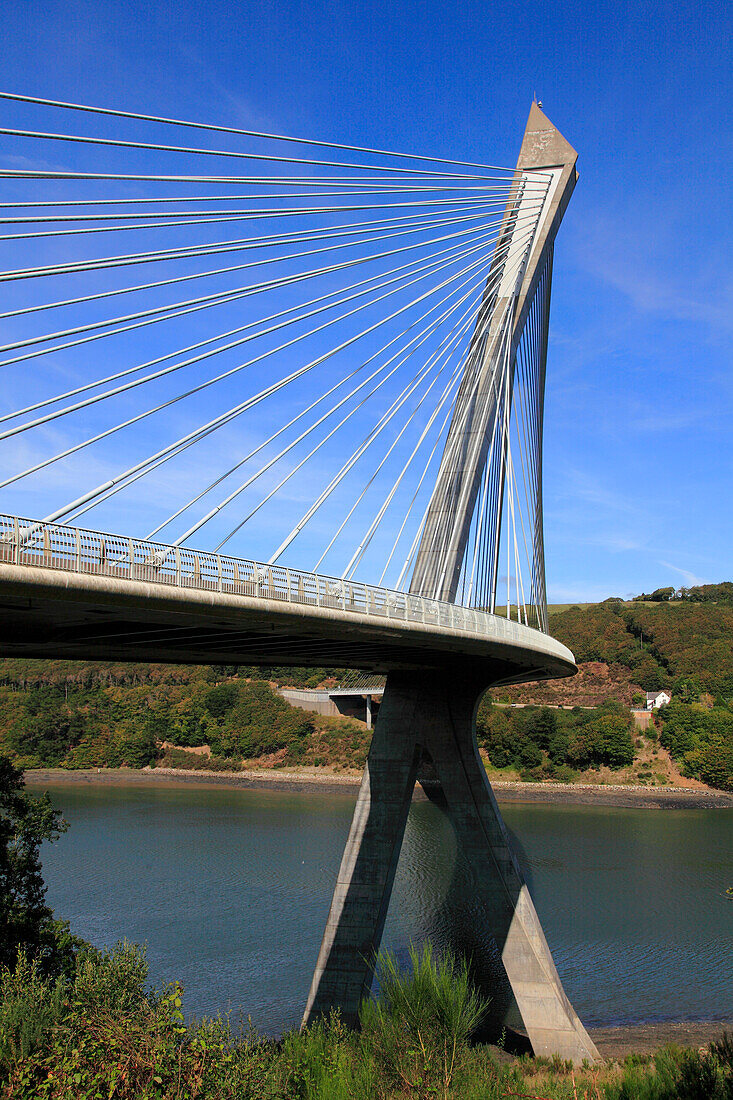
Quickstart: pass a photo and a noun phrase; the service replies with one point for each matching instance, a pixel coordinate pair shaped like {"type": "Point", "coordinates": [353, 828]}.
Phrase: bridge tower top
{"type": "Point", "coordinates": [520, 273]}
{"type": "Point", "coordinates": [544, 149]}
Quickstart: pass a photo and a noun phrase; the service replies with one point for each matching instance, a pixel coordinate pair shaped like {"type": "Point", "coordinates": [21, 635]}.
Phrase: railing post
{"type": "Point", "coordinates": [287, 582]}
{"type": "Point", "coordinates": [178, 566]}
{"type": "Point", "coordinates": [16, 541]}
{"type": "Point", "coordinates": [218, 564]}
{"type": "Point", "coordinates": [78, 551]}
{"type": "Point", "coordinates": [130, 554]}
{"type": "Point", "coordinates": [318, 590]}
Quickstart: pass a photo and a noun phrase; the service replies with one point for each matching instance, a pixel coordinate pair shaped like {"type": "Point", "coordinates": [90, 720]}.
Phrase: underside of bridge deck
{"type": "Point", "coordinates": [47, 613]}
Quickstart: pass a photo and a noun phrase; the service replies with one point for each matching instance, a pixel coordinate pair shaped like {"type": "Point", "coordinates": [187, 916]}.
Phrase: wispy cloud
{"type": "Point", "coordinates": [674, 422]}
{"type": "Point", "coordinates": [619, 251]}
{"type": "Point", "coordinates": [688, 576]}
{"type": "Point", "coordinates": [581, 485]}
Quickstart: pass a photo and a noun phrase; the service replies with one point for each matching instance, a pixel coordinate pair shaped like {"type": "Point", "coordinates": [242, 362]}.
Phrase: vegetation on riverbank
{"type": "Point", "coordinates": [99, 722]}
{"type": "Point", "coordinates": [545, 743]}
{"type": "Point", "coordinates": [101, 1033]}
{"type": "Point", "coordinates": [213, 719]}
{"type": "Point", "coordinates": [701, 739]}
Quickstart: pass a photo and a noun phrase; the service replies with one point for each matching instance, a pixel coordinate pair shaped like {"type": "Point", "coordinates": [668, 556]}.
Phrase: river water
{"type": "Point", "coordinates": [230, 889]}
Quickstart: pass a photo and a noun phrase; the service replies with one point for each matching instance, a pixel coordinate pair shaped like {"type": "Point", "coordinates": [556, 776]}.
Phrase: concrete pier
{"type": "Point", "coordinates": [427, 723]}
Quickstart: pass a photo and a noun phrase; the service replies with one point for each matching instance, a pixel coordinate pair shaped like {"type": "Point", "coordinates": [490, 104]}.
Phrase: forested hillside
{"type": "Point", "coordinates": [683, 645]}
{"type": "Point", "coordinates": [682, 642]}
{"type": "Point", "coordinates": [87, 716]}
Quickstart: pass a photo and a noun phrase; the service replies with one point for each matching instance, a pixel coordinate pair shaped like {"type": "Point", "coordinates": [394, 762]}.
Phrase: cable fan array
{"type": "Point", "coordinates": [259, 345]}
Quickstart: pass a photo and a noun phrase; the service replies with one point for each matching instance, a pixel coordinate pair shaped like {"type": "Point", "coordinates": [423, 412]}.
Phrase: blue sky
{"type": "Point", "coordinates": [638, 460]}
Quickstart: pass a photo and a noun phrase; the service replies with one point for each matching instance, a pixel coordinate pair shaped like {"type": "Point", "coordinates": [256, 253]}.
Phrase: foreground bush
{"type": "Point", "coordinates": [102, 1034]}
{"type": "Point", "coordinates": [417, 1032]}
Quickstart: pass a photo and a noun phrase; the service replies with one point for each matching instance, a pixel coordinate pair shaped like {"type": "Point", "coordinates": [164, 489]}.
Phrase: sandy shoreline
{"type": "Point", "coordinates": [302, 781]}
{"type": "Point", "coordinates": [617, 1042]}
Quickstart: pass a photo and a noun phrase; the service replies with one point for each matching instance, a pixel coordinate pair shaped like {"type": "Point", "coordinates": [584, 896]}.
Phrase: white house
{"type": "Point", "coordinates": [657, 699]}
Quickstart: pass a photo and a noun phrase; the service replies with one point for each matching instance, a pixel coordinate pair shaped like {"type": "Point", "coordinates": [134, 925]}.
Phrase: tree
{"type": "Point", "coordinates": [529, 754]}
{"type": "Point", "coordinates": [702, 740]}
{"type": "Point", "coordinates": [543, 726]}
{"type": "Point", "coordinates": [615, 747]}
{"type": "Point", "coordinates": [713, 762]}
{"type": "Point", "coordinates": [260, 722]}
{"type": "Point", "coordinates": [26, 922]}
{"type": "Point", "coordinates": [582, 749]}
{"type": "Point", "coordinates": [221, 699]}
{"type": "Point", "coordinates": [605, 739]}
{"type": "Point", "coordinates": [558, 746]}
{"type": "Point", "coordinates": [138, 750]}
{"type": "Point", "coordinates": [686, 689]}
{"type": "Point", "coordinates": [647, 673]}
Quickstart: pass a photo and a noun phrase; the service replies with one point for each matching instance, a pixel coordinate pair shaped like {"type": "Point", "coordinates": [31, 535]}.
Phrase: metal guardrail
{"type": "Point", "coordinates": [50, 546]}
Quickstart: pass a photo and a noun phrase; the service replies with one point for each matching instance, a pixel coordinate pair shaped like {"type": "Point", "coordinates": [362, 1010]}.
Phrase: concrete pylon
{"type": "Point", "coordinates": [426, 724]}
{"type": "Point", "coordinates": [424, 717]}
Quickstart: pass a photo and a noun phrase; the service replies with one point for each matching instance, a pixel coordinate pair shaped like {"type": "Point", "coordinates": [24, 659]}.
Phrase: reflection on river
{"type": "Point", "coordinates": [230, 890]}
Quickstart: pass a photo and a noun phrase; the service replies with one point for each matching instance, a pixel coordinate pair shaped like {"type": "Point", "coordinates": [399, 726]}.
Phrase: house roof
{"type": "Point", "coordinates": [655, 694]}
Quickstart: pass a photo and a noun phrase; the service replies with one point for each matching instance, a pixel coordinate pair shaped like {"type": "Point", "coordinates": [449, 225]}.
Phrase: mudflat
{"type": "Point", "coordinates": [628, 797]}
{"type": "Point", "coordinates": [614, 1043]}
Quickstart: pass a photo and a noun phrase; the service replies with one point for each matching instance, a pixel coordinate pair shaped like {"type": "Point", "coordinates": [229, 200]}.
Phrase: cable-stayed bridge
{"type": "Point", "coordinates": [331, 361]}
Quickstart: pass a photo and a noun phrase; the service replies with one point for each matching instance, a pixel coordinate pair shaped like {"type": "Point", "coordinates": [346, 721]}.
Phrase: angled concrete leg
{"type": "Point", "coordinates": [448, 736]}
{"type": "Point", "coordinates": [345, 966]}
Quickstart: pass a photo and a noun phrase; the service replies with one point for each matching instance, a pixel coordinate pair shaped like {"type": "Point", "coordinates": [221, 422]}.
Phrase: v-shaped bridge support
{"type": "Point", "coordinates": [425, 716]}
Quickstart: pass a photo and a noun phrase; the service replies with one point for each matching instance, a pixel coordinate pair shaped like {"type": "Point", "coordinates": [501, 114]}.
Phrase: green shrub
{"type": "Point", "coordinates": [111, 980]}
{"type": "Point", "coordinates": [30, 1005]}
{"type": "Point", "coordinates": [679, 1074]}
{"type": "Point", "coordinates": [418, 1029]}
{"type": "Point", "coordinates": [101, 1036]}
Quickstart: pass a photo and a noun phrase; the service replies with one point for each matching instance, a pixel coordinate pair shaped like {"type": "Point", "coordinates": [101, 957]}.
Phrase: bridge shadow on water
{"type": "Point", "coordinates": [442, 900]}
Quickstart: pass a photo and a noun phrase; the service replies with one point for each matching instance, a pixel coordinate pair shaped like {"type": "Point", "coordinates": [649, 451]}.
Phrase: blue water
{"type": "Point", "coordinates": [230, 890]}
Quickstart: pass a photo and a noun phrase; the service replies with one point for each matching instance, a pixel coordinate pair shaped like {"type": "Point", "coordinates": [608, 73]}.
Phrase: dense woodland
{"type": "Point", "coordinates": [81, 715]}
{"type": "Point", "coordinates": [686, 646]}
{"type": "Point", "coordinates": [112, 716]}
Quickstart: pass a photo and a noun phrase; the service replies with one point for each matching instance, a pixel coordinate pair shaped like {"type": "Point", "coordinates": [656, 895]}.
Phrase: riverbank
{"type": "Point", "coordinates": [56, 1048]}
{"type": "Point", "coordinates": [623, 797]}
{"type": "Point", "coordinates": [616, 1043]}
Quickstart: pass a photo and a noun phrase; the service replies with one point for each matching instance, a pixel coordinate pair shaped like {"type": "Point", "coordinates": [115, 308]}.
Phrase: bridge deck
{"type": "Point", "coordinates": [70, 593]}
